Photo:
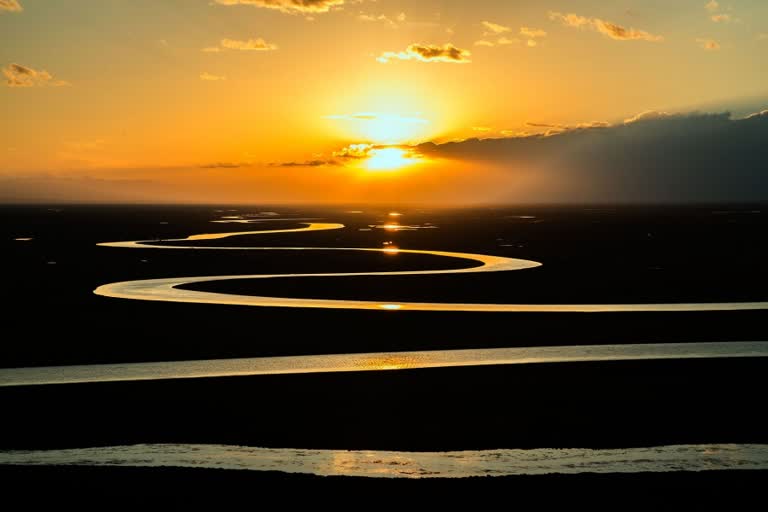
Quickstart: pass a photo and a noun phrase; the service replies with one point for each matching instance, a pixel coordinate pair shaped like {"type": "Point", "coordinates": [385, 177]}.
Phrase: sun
{"type": "Point", "coordinates": [388, 159]}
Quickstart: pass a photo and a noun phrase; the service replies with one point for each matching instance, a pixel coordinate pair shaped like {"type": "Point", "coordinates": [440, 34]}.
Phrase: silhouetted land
{"type": "Point", "coordinates": [616, 404]}
{"type": "Point", "coordinates": [636, 254]}
{"type": "Point", "coordinates": [630, 254]}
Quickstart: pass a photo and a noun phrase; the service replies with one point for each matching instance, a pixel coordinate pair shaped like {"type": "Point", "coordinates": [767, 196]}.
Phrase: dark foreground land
{"type": "Point", "coordinates": [601, 405]}
{"type": "Point", "coordinates": [589, 255]}
{"type": "Point", "coordinates": [630, 255]}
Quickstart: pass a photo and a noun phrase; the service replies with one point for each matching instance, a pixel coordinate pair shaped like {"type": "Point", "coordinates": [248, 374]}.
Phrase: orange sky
{"type": "Point", "coordinates": [255, 101]}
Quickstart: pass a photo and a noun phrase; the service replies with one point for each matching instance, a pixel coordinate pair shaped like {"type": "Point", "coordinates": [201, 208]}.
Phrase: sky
{"type": "Point", "coordinates": [355, 101]}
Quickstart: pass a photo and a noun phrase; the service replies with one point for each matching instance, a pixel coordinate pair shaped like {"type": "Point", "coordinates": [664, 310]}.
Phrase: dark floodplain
{"type": "Point", "coordinates": [598, 254]}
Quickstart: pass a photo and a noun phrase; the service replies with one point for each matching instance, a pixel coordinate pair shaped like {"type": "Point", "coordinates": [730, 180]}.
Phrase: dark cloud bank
{"type": "Point", "coordinates": [651, 158]}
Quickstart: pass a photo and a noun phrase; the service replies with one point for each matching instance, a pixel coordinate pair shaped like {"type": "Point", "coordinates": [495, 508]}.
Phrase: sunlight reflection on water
{"type": "Point", "coordinates": [389, 464]}
{"type": "Point", "coordinates": [375, 361]}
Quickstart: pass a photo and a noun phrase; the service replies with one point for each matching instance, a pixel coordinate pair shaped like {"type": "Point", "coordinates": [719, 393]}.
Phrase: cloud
{"type": "Point", "coordinates": [288, 6]}
{"type": "Point", "coordinates": [309, 163]}
{"type": "Point", "coordinates": [10, 5]}
{"type": "Point", "coordinates": [624, 34]}
{"type": "Point", "coordinates": [392, 22]}
{"type": "Point", "coordinates": [652, 157]}
{"type": "Point", "coordinates": [721, 17]}
{"type": "Point", "coordinates": [571, 20]}
{"type": "Point", "coordinates": [482, 129]}
{"type": "Point", "coordinates": [17, 75]}
{"type": "Point", "coordinates": [607, 28]}
{"type": "Point", "coordinates": [502, 41]}
{"type": "Point", "coordinates": [762, 37]}
{"type": "Point", "coordinates": [344, 156]}
{"type": "Point", "coordinates": [224, 165]}
{"type": "Point", "coordinates": [757, 115]}
{"type": "Point", "coordinates": [494, 28]}
{"type": "Point", "coordinates": [649, 115]}
{"type": "Point", "coordinates": [709, 44]}
{"type": "Point", "coordinates": [713, 7]}
{"type": "Point", "coordinates": [532, 33]}
{"type": "Point", "coordinates": [551, 129]}
{"type": "Point", "coordinates": [209, 77]}
{"type": "Point", "coordinates": [355, 151]}
{"type": "Point", "coordinates": [546, 125]}
{"type": "Point", "coordinates": [257, 44]}
{"type": "Point", "coordinates": [429, 53]}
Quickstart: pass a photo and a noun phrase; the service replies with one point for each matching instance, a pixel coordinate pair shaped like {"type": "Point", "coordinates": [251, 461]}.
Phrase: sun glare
{"type": "Point", "coordinates": [383, 128]}
{"type": "Point", "coordinates": [392, 129]}
{"type": "Point", "coordinates": [388, 159]}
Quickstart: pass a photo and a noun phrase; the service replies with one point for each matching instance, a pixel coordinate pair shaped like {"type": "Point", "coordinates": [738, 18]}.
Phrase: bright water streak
{"type": "Point", "coordinates": [456, 464]}
{"type": "Point", "coordinates": [375, 361]}
{"type": "Point", "coordinates": [167, 290]}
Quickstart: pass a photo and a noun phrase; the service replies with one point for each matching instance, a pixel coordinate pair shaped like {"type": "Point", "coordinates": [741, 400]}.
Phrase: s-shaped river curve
{"type": "Point", "coordinates": [166, 290]}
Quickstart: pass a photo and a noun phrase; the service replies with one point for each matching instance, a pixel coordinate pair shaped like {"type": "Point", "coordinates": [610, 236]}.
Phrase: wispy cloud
{"type": "Point", "coordinates": [494, 28]}
{"type": "Point", "coordinates": [429, 53]}
{"type": "Point", "coordinates": [481, 129]}
{"type": "Point", "coordinates": [532, 33]}
{"type": "Point", "coordinates": [354, 151]}
{"type": "Point", "coordinates": [649, 115]}
{"type": "Point", "coordinates": [551, 129]}
{"type": "Point", "coordinates": [709, 44]}
{"type": "Point", "coordinates": [719, 17]}
{"type": "Point", "coordinates": [502, 41]}
{"type": "Point", "coordinates": [607, 28]}
{"type": "Point", "coordinates": [225, 165]}
{"type": "Point", "coordinates": [763, 114]}
{"type": "Point", "coordinates": [210, 77]}
{"type": "Point", "coordinates": [10, 5]}
{"type": "Point", "coordinates": [257, 44]}
{"type": "Point", "coordinates": [308, 163]}
{"type": "Point", "coordinates": [288, 6]}
{"type": "Point", "coordinates": [17, 75]}
{"type": "Point", "coordinates": [393, 22]}
{"type": "Point", "coordinates": [571, 20]}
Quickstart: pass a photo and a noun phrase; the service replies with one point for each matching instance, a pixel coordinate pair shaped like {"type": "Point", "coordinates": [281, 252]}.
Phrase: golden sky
{"type": "Point", "coordinates": [320, 100]}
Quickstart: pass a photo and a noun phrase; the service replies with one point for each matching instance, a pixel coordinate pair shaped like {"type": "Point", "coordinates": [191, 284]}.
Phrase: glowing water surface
{"type": "Point", "coordinates": [166, 289]}
{"type": "Point", "coordinates": [375, 361]}
{"type": "Point", "coordinates": [390, 464]}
